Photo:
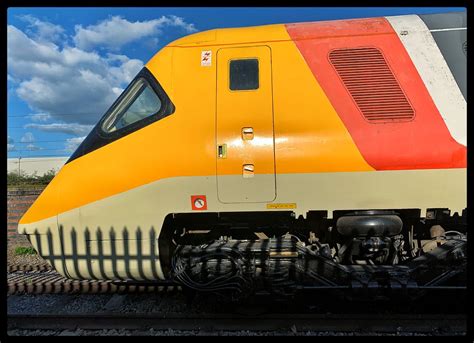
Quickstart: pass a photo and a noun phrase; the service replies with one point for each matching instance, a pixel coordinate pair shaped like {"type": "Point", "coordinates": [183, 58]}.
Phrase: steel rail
{"type": "Point", "coordinates": [365, 323]}
{"type": "Point", "coordinates": [49, 281]}
{"type": "Point", "coordinates": [42, 279]}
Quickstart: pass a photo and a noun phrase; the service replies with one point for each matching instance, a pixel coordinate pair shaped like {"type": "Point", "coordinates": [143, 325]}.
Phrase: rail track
{"type": "Point", "coordinates": [229, 322]}
{"type": "Point", "coordinates": [11, 268]}
{"type": "Point", "coordinates": [42, 279]}
{"type": "Point", "coordinates": [207, 313]}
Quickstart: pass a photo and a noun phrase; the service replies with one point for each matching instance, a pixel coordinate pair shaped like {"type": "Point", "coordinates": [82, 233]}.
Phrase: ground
{"type": "Point", "coordinates": [14, 259]}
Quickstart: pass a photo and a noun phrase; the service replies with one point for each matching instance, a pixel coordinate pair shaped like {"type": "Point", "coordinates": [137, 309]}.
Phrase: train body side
{"type": "Point", "coordinates": [102, 214]}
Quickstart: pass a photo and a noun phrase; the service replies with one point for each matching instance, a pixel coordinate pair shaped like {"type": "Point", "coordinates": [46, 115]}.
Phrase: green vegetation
{"type": "Point", "coordinates": [15, 179]}
{"type": "Point", "coordinates": [25, 251]}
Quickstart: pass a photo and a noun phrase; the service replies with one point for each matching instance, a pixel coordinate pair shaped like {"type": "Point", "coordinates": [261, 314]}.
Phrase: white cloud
{"type": "Point", "coordinates": [69, 84]}
{"type": "Point", "coordinates": [22, 48]}
{"type": "Point", "coordinates": [72, 143]}
{"type": "Point", "coordinates": [179, 22]}
{"type": "Point", "coordinates": [39, 117]}
{"type": "Point", "coordinates": [32, 147]}
{"type": "Point", "coordinates": [27, 138]}
{"type": "Point", "coordinates": [66, 83]}
{"type": "Point", "coordinates": [43, 31]}
{"type": "Point", "coordinates": [116, 31]}
{"type": "Point", "coordinates": [70, 128]}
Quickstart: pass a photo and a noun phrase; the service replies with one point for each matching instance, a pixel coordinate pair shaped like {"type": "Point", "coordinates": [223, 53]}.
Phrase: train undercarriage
{"type": "Point", "coordinates": [382, 251]}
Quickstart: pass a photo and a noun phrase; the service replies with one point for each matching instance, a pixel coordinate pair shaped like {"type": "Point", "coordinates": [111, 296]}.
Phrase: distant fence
{"type": "Point", "coordinates": [19, 199]}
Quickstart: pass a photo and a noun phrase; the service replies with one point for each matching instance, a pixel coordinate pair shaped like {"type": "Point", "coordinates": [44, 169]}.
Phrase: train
{"type": "Point", "coordinates": [315, 155]}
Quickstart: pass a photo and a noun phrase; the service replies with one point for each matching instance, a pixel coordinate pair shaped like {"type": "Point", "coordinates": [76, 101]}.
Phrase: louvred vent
{"type": "Point", "coordinates": [372, 85]}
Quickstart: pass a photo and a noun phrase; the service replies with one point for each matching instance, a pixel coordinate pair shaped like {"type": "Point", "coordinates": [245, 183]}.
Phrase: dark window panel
{"type": "Point", "coordinates": [244, 74]}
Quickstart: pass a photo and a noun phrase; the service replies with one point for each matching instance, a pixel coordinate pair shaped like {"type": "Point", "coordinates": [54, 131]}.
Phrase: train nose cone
{"type": "Point", "coordinates": [40, 225]}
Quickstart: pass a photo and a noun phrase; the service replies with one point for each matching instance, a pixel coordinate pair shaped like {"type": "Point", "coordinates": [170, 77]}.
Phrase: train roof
{"type": "Point", "coordinates": [238, 35]}
{"type": "Point", "coordinates": [277, 32]}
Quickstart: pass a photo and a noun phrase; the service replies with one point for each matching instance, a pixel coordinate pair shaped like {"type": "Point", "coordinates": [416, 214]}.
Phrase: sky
{"type": "Point", "coordinates": [66, 66]}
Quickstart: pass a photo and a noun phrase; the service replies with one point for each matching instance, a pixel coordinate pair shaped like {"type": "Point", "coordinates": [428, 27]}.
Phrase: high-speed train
{"type": "Point", "coordinates": [319, 154]}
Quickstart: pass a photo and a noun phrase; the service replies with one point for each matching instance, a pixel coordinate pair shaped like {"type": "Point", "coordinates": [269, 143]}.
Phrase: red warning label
{"type": "Point", "coordinates": [198, 202]}
{"type": "Point", "coordinates": [206, 58]}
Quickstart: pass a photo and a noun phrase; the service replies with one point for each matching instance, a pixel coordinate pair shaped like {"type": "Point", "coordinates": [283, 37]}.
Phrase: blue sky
{"type": "Point", "coordinates": [67, 65]}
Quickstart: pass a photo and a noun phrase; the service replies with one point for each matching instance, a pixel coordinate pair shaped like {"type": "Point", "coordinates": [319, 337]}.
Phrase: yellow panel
{"type": "Point", "coordinates": [251, 110]}
{"type": "Point", "coordinates": [160, 66]}
{"type": "Point", "coordinates": [309, 135]}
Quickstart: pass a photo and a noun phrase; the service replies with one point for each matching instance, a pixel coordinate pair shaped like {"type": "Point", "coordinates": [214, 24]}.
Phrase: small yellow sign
{"type": "Point", "coordinates": [281, 206]}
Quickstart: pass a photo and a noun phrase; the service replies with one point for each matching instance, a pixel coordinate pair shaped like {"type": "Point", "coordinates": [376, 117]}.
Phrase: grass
{"type": "Point", "coordinates": [25, 251]}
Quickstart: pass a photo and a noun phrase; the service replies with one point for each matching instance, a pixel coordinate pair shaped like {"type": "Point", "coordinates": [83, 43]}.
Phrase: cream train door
{"type": "Point", "coordinates": [245, 147]}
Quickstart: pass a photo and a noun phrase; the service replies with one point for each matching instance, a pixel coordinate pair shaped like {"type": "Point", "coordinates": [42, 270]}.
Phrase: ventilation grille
{"type": "Point", "coordinates": [372, 85]}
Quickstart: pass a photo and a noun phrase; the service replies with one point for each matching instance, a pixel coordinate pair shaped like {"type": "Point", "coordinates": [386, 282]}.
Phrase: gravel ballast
{"type": "Point", "coordinates": [27, 259]}
{"type": "Point", "coordinates": [171, 332]}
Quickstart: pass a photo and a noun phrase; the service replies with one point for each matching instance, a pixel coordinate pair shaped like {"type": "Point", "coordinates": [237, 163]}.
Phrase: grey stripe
{"type": "Point", "coordinates": [450, 34]}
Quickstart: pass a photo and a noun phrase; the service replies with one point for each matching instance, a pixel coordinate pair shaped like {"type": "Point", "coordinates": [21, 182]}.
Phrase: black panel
{"type": "Point", "coordinates": [450, 34]}
{"type": "Point", "coordinates": [444, 20]}
{"type": "Point", "coordinates": [244, 74]}
{"type": "Point", "coordinates": [97, 138]}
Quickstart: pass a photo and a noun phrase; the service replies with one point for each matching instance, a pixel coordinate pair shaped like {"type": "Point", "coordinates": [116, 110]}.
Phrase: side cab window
{"type": "Point", "coordinates": [142, 103]}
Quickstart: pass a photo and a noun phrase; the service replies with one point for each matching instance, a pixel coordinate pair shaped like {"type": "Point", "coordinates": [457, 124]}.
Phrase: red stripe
{"type": "Point", "coordinates": [422, 143]}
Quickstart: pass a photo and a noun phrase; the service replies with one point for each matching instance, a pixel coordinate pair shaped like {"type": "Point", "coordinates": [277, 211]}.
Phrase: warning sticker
{"type": "Point", "coordinates": [198, 202]}
{"type": "Point", "coordinates": [206, 58]}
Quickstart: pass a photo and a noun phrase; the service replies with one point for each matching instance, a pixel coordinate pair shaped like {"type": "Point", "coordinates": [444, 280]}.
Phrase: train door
{"type": "Point", "coordinates": [244, 126]}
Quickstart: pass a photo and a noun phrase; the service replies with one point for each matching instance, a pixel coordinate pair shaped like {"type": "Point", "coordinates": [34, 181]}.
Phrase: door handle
{"type": "Point", "coordinates": [247, 133]}
{"type": "Point", "coordinates": [247, 170]}
{"type": "Point", "coordinates": [222, 151]}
